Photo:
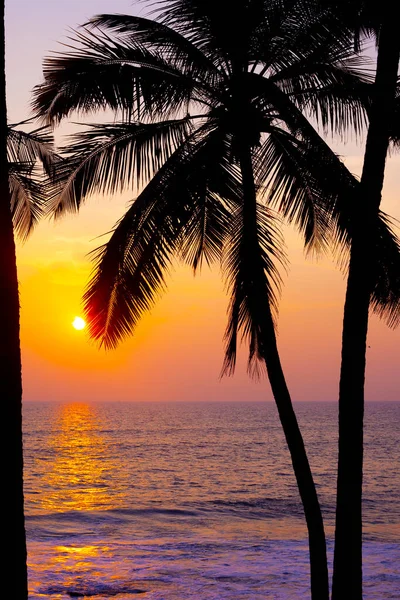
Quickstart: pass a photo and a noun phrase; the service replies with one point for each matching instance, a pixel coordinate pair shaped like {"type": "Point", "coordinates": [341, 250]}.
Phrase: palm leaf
{"type": "Point", "coordinates": [336, 97]}
{"type": "Point", "coordinates": [174, 47]}
{"type": "Point", "coordinates": [110, 158]}
{"type": "Point", "coordinates": [100, 73]}
{"type": "Point", "coordinates": [130, 269]}
{"type": "Point", "coordinates": [31, 147]}
{"type": "Point", "coordinates": [205, 231]}
{"type": "Point", "coordinates": [27, 198]}
{"type": "Point", "coordinates": [314, 160]}
{"type": "Point", "coordinates": [283, 175]}
{"type": "Point", "coordinates": [254, 283]}
{"type": "Point", "coordinates": [26, 152]}
{"type": "Point", "coordinates": [213, 28]}
{"type": "Point", "coordinates": [315, 191]}
{"type": "Point", "coordinates": [293, 33]}
{"type": "Point", "coordinates": [385, 272]}
{"type": "Point", "coordinates": [217, 195]}
{"type": "Point", "coordinates": [395, 122]}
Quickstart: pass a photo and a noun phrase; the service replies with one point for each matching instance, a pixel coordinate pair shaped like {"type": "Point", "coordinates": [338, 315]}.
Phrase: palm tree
{"type": "Point", "coordinates": [208, 124]}
{"type": "Point", "coordinates": [379, 20]}
{"type": "Point", "coordinates": [21, 204]}
{"type": "Point", "coordinates": [10, 370]}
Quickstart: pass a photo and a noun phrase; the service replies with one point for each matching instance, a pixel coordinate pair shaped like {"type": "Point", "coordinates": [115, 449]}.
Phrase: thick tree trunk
{"type": "Point", "coordinates": [14, 580]}
{"type": "Point", "coordinates": [294, 440]}
{"type": "Point", "coordinates": [347, 573]}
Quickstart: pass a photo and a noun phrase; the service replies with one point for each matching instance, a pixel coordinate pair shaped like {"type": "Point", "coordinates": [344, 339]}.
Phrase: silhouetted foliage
{"type": "Point", "coordinates": [31, 166]}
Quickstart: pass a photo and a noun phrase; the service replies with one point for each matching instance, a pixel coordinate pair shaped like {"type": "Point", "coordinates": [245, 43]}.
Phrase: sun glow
{"type": "Point", "coordinates": [78, 323]}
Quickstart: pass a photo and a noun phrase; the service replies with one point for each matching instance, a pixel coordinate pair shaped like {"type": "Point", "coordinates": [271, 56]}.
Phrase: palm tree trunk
{"type": "Point", "coordinates": [294, 440]}
{"type": "Point", "coordinates": [14, 581]}
{"type": "Point", "coordinates": [301, 466]}
{"type": "Point", "coordinates": [347, 572]}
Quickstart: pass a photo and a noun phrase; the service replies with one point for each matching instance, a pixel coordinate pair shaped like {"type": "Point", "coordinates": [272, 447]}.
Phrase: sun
{"type": "Point", "coordinates": [78, 323]}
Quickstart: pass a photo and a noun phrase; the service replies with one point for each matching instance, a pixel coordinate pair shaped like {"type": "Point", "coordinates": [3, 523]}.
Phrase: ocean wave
{"type": "Point", "coordinates": [92, 589]}
{"type": "Point", "coordinates": [251, 508]}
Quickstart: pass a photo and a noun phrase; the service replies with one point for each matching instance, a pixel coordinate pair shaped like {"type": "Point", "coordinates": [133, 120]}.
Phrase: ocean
{"type": "Point", "coordinates": [180, 501]}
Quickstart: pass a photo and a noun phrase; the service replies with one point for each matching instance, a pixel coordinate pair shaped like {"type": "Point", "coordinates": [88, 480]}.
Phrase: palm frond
{"type": "Point", "coordinates": [26, 153]}
{"type": "Point", "coordinates": [100, 73]}
{"type": "Point", "coordinates": [214, 196]}
{"type": "Point", "coordinates": [283, 175]}
{"type": "Point", "coordinates": [108, 158]}
{"type": "Point", "coordinates": [31, 147]}
{"type": "Point", "coordinates": [385, 297]}
{"type": "Point", "coordinates": [395, 122]}
{"type": "Point", "coordinates": [174, 47]}
{"type": "Point", "coordinates": [213, 28]}
{"type": "Point", "coordinates": [130, 269]}
{"type": "Point", "coordinates": [206, 230]}
{"type": "Point", "coordinates": [338, 98]}
{"type": "Point", "coordinates": [299, 32]}
{"type": "Point", "coordinates": [363, 18]}
{"type": "Point", "coordinates": [312, 181]}
{"type": "Point", "coordinates": [27, 198]}
{"type": "Point", "coordinates": [335, 185]}
{"type": "Point", "coordinates": [308, 53]}
{"type": "Point", "coordinates": [254, 283]}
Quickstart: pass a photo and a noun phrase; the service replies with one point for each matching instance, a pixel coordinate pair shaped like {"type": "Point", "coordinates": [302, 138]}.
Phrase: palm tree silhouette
{"type": "Point", "coordinates": [10, 369]}
{"type": "Point", "coordinates": [21, 204]}
{"type": "Point", "coordinates": [212, 105]}
{"type": "Point", "coordinates": [378, 20]}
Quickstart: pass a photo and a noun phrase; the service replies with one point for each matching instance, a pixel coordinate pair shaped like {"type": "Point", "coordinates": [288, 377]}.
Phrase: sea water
{"type": "Point", "coordinates": [176, 501]}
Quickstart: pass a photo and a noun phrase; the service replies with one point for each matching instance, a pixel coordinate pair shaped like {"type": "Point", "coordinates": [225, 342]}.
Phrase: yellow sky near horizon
{"type": "Point", "coordinates": [177, 350]}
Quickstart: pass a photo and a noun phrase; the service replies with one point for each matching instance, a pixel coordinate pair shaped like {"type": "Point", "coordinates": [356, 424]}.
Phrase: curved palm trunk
{"type": "Point", "coordinates": [347, 572]}
{"type": "Point", "coordinates": [294, 440]}
{"type": "Point", "coordinates": [301, 466]}
{"type": "Point", "coordinates": [14, 582]}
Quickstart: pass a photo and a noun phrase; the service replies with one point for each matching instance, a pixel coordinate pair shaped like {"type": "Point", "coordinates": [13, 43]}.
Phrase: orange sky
{"type": "Point", "coordinates": [176, 353]}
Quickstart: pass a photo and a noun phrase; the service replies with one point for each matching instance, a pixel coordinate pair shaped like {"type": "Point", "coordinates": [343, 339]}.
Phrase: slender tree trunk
{"type": "Point", "coordinates": [14, 580]}
{"type": "Point", "coordinates": [347, 573]}
{"type": "Point", "coordinates": [294, 440]}
{"type": "Point", "coordinates": [301, 466]}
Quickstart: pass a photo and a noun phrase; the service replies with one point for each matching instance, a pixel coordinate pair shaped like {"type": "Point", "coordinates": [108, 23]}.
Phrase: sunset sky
{"type": "Point", "coordinates": [177, 351]}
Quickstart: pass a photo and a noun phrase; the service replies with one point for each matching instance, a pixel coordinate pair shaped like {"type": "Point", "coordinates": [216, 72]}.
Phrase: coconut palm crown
{"type": "Point", "coordinates": [196, 89]}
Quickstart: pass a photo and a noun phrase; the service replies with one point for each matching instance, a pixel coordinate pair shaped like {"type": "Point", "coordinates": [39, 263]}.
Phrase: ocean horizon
{"type": "Point", "coordinates": [193, 499]}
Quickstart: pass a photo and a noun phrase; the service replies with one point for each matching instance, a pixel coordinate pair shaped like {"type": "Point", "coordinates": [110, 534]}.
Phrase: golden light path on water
{"type": "Point", "coordinates": [77, 481]}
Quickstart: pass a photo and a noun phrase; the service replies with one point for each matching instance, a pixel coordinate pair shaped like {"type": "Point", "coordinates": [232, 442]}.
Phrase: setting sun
{"type": "Point", "coordinates": [78, 323]}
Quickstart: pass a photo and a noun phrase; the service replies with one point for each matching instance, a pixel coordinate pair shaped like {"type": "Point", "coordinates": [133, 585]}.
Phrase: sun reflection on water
{"type": "Point", "coordinates": [76, 473]}
{"type": "Point", "coordinates": [81, 467]}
